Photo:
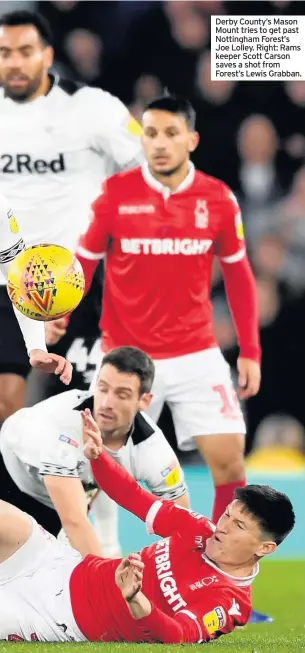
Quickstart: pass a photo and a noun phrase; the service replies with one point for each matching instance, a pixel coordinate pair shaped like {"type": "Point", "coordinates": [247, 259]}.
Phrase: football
{"type": "Point", "coordinates": [45, 282]}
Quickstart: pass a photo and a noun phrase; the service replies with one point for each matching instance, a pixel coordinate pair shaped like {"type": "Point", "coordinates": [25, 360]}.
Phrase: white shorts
{"type": "Point", "coordinates": [34, 591]}
{"type": "Point", "coordinates": [199, 391]}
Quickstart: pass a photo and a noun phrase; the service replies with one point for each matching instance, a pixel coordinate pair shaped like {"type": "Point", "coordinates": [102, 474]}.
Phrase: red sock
{"type": "Point", "coordinates": [224, 494]}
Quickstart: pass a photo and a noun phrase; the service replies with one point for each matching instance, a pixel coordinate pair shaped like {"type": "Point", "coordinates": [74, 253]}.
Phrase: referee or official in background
{"type": "Point", "coordinates": [59, 140]}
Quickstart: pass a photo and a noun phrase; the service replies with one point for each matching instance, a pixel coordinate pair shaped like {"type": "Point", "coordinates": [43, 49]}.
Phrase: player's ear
{"type": "Point", "coordinates": [265, 548]}
{"type": "Point", "coordinates": [145, 400]}
{"type": "Point", "coordinates": [48, 56]}
{"type": "Point", "coordinates": [193, 141]}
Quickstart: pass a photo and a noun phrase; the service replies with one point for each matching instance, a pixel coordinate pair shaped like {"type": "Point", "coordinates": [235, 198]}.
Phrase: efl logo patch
{"type": "Point", "coordinates": [214, 620]}
{"type": "Point", "coordinates": [64, 438]}
{"type": "Point", "coordinates": [171, 474]}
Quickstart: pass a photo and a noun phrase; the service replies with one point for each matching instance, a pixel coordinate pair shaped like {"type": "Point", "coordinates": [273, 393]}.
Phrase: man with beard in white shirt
{"type": "Point", "coordinates": [58, 141]}
{"type": "Point", "coordinates": [43, 470]}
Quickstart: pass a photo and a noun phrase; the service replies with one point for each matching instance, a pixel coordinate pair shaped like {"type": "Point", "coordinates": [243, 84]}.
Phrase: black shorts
{"type": "Point", "coordinates": [13, 354]}
{"type": "Point", "coordinates": [81, 343]}
{"type": "Point", "coordinates": [9, 491]}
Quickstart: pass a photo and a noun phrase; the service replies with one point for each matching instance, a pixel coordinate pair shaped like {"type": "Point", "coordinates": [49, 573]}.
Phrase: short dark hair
{"type": "Point", "coordinates": [132, 361]}
{"type": "Point", "coordinates": [272, 509]}
{"type": "Point", "coordinates": [174, 104]}
{"type": "Point", "coordinates": [23, 17]}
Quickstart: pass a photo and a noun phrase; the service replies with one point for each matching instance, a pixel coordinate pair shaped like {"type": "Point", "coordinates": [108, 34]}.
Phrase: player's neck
{"type": "Point", "coordinates": [43, 88]}
{"type": "Point", "coordinates": [174, 180]}
{"type": "Point", "coordinates": [115, 440]}
{"type": "Point", "coordinates": [238, 571]}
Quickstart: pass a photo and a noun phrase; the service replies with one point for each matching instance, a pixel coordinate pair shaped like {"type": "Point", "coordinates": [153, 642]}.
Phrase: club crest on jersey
{"type": "Point", "coordinates": [203, 582]}
{"type": "Point", "coordinates": [201, 214]}
{"type": "Point", "coordinates": [14, 227]}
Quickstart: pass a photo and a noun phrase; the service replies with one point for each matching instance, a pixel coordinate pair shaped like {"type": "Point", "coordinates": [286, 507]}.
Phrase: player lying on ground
{"type": "Point", "coordinates": [44, 471]}
{"type": "Point", "coordinates": [196, 583]}
{"type": "Point", "coordinates": [11, 243]}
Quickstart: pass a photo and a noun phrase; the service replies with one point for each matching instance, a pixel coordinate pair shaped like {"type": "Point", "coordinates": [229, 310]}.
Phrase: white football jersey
{"type": "Point", "coordinates": [47, 439]}
{"type": "Point", "coordinates": [54, 153]}
{"type": "Point", "coordinates": [34, 591]}
{"type": "Point", "coordinates": [11, 243]}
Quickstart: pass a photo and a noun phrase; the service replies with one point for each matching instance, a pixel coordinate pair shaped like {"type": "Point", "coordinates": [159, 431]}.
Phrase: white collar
{"type": "Point", "coordinates": [166, 192]}
{"type": "Point", "coordinates": [240, 582]}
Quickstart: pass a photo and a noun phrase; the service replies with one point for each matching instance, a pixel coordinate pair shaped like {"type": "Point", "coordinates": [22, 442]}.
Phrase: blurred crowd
{"type": "Point", "coordinates": [252, 137]}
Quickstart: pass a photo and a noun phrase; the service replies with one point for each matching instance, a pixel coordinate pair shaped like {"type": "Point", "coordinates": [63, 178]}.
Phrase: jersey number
{"type": "Point", "coordinates": [230, 408]}
{"type": "Point", "coordinates": [79, 355]}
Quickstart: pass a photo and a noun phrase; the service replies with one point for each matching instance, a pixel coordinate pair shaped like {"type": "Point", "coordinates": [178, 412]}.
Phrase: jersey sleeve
{"type": "Point", "coordinates": [92, 245]}
{"type": "Point", "coordinates": [11, 244]}
{"type": "Point", "coordinates": [162, 517]}
{"type": "Point", "coordinates": [230, 243]}
{"type": "Point", "coordinates": [111, 128]}
{"type": "Point", "coordinates": [166, 519]}
{"type": "Point", "coordinates": [216, 613]}
{"type": "Point", "coordinates": [60, 451]}
{"type": "Point", "coordinates": [161, 470]}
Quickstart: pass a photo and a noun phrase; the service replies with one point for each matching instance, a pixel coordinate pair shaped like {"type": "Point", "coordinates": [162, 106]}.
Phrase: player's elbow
{"type": "Point", "coordinates": [183, 500]}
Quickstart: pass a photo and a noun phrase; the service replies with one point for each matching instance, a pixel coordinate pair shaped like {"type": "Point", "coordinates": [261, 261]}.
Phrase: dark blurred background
{"type": "Point", "coordinates": [252, 137]}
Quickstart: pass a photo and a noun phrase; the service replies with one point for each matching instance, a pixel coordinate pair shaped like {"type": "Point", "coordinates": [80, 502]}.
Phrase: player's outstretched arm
{"type": "Point", "coordinates": [11, 243]}
{"type": "Point", "coordinates": [162, 517]}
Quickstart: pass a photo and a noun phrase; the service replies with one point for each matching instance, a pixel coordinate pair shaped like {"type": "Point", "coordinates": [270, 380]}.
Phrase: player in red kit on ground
{"type": "Point", "coordinates": [192, 586]}
{"type": "Point", "coordinates": [159, 227]}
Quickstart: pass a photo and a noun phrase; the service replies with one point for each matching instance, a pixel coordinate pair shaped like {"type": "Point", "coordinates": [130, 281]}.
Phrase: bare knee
{"type": "Point", "coordinates": [224, 455]}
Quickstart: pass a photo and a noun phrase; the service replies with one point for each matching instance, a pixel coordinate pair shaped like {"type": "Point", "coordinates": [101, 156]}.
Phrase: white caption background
{"type": "Point", "coordinates": [252, 48]}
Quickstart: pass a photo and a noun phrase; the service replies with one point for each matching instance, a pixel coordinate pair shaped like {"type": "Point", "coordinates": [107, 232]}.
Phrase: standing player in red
{"type": "Point", "coordinates": [160, 227]}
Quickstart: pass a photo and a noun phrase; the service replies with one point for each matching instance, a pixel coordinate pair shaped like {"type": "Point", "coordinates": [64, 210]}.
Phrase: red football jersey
{"type": "Point", "coordinates": [159, 249]}
{"type": "Point", "coordinates": [193, 601]}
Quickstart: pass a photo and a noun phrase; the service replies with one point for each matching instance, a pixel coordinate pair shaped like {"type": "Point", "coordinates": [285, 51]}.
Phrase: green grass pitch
{"type": "Point", "coordinates": [279, 590]}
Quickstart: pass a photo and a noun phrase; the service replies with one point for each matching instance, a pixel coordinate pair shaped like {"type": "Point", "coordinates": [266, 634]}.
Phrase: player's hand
{"type": "Point", "coordinates": [52, 364]}
{"type": "Point", "coordinates": [55, 330]}
{"type": "Point", "coordinates": [129, 576]}
{"type": "Point", "coordinates": [249, 378]}
{"type": "Point", "coordinates": [93, 443]}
